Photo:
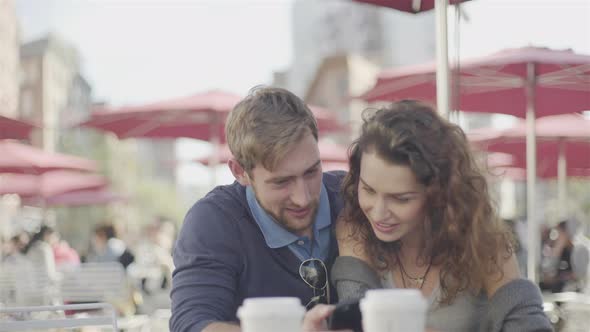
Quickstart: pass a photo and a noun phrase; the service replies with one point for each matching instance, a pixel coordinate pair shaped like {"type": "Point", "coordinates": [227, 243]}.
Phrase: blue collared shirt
{"type": "Point", "coordinates": [277, 237]}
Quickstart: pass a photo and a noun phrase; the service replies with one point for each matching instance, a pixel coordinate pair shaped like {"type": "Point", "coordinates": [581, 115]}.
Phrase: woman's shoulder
{"type": "Point", "coordinates": [508, 272]}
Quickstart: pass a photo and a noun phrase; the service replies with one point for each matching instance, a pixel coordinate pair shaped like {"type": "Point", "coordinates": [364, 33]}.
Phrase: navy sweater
{"type": "Point", "coordinates": [221, 258]}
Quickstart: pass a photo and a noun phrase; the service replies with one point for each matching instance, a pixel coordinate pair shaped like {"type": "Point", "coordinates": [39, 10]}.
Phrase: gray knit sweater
{"type": "Point", "coordinates": [515, 307]}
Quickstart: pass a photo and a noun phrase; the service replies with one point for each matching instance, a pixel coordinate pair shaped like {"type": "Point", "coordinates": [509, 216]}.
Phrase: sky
{"type": "Point", "coordinates": [136, 51]}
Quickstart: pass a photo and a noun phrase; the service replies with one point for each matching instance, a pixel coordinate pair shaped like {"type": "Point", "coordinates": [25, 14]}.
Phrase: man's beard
{"type": "Point", "coordinates": [293, 225]}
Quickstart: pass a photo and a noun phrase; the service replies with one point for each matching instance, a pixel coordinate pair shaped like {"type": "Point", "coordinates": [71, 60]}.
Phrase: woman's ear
{"type": "Point", "coordinates": [239, 172]}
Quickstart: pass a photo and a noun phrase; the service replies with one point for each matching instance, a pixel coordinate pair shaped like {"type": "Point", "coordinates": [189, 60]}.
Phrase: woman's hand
{"type": "Point", "coordinates": [315, 319]}
{"type": "Point", "coordinates": [349, 244]}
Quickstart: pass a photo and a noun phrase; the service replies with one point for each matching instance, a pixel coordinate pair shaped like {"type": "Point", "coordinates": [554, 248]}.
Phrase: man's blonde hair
{"type": "Point", "coordinates": [264, 126]}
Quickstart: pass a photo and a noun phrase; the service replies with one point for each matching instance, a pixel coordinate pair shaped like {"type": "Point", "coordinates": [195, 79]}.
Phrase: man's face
{"type": "Point", "coordinates": [291, 192]}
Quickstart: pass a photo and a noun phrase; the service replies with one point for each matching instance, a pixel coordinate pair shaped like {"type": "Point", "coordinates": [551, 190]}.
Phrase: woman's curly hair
{"type": "Point", "coordinates": [464, 235]}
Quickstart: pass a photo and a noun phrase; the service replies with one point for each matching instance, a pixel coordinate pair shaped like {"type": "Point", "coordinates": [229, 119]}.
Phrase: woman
{"type": "Point", "coordinates": [39, 252]}
{"type": "Point", "coordinates": [418, 215]}
{"type": "Point", "coordinates": [107, 247]}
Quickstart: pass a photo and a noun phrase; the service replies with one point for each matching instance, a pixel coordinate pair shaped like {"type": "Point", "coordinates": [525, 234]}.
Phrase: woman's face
{"type": "Point", "coordinates": [99, 241]}
{"type": "Point", "coordinates": [391, 198]}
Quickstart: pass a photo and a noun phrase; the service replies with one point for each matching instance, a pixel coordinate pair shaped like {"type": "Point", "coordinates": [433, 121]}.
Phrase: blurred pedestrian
{"type": "Point", "coordinates": [107, 247]}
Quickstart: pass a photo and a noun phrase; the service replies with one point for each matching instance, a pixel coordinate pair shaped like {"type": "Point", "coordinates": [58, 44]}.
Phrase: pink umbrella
{"type": "Point", "coordinates": [519, 174]}
{"type": "Point", "coordinates": [329, 153]}
{"type": "Point", "coordinates": [499, 159]}
{"type": "Point", "coordinates": [49, 183]}
{"type": "Point", "coordinates": [442, 54]}
{"type": "Point", "coordinates": [200, 116]}
{"type": "Point", "coordinates": [527, 82]}
{"type": "Point", "coordinates": [21, 158]}
{"type": "Point", "coordinates": [16, 129]}
{"type": "Point", "coordinates": [568, 127]}
{"type": "Point", "coordinates": [577, 154]}
{"type": "Point", "coordinates": [410, 6]}
{"type": "Point", "coordinates": [558, 82]}
{"type": "Point", "coordinates": [563, 146]}
{"type": "Point", "coordinates": [98, 196]}
{"type": "Point", "coordinates": [327, 120]}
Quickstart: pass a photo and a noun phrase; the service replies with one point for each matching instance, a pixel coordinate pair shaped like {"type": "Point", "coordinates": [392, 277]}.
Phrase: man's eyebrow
{"type": "Point", "coordinates": [283, 178]}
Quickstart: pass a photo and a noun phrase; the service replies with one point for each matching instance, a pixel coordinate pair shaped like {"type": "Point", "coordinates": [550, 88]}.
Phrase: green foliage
{"type": "Point", "coordinates": [119, 161]}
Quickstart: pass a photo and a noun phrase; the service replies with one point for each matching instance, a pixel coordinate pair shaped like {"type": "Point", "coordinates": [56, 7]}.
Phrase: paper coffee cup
{"type": "Point", "coordinates": [271, 314]}
{"type": "Point", "coordinates": [394, 310]}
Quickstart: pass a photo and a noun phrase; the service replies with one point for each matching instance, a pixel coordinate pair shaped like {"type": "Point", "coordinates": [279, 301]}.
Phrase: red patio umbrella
{"type": "Point", "coordinates": [526, 82]}
{"type": "Point", "coordinates": [49, 183]}
{"type": "Point", "coordinates": [327, 120]}
{"type": "Point", "coordinates": [329, 153]}
{"type": "Point", "coordinates": [200, 116]}
{"type": "Point", "coordinates": [98, 196]}
{"type": "Point", "coordinates": [410, 6]}
{"type": "Point", "coordinates": [16, 129]}
{"type": "Point", "coordinates": [20, 158]}
{"type": "Point", "coordinates": [512, 81]}
{"type": "Point", "coordinates": [519, 173]}
{"type": "Point", "coordinates": [442, 54]}
{"type": "Point", "coordinates": [499, 159]}
{"type": "Point", "coordinates": [563, 145]}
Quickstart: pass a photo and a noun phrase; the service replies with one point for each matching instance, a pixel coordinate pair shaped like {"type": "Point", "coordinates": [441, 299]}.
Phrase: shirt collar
{"type": "Point", "coordinates": [274, 234]}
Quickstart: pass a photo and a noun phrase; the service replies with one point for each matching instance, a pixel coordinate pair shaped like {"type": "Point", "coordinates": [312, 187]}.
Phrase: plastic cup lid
{"type": "Point", "coordinates": [263, 305]}
{"type": "Point", "coordinates": [393, 297]}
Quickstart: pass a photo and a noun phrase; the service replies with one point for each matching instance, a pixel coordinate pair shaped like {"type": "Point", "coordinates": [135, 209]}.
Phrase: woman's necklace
{"type": "Point", "coordinates": [417, 282]}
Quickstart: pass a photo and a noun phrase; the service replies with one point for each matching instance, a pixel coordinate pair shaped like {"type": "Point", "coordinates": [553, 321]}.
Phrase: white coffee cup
{"type": "Point", "coordinates": [394, 310]}
{"type": "Point", "coordinates": [271, 314]}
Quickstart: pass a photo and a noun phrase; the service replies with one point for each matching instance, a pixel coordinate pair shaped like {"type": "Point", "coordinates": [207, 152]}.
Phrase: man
{"type": "Point", "coordinates": [267, 234]}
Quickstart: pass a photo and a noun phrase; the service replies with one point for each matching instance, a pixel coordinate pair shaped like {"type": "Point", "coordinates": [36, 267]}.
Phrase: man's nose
{"type": "Point", "coordinates": [301, 195]}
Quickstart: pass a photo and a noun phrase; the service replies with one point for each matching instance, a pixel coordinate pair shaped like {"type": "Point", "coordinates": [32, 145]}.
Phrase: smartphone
{"type": "Point", "coordinates": [346, 316]}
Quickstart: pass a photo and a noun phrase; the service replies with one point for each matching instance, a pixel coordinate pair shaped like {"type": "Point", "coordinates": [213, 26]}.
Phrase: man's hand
{"type": "Point", "coordinates": [315, 319]}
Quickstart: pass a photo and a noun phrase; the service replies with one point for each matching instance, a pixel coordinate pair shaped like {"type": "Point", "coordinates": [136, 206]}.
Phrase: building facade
{"type": "Point", "coordinates": [385, 37]}
{"type": "Point", "coordinates": [9, 59]}
{"type": "Point", "coordinates": [340, 47]}
{"type": "Point", "coordinates": [52, 89]}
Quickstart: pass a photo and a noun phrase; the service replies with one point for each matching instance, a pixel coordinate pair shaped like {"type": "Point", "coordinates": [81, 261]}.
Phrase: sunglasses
{"type": "Point", "coordinates": [315, 274]}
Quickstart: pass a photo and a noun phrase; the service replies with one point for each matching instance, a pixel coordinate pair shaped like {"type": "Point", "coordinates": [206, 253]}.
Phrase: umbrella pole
{"type": "Point", "coordinates": [562, 180]}
{"type": "Point", "coordinates": [533, 234]}
{"type": "Point", "coordinates": [442, 58]}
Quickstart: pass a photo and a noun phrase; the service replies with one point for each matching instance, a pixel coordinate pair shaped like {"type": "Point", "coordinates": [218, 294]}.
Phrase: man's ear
{"type": "Point", "coordinates": [239, 172]}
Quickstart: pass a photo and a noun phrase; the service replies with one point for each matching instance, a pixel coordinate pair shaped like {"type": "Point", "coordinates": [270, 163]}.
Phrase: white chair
{"type": "Point", "coordinates": [22, 284]}
{"type": "Point", "coordinates": [102, 282]}
{"type": "Point", "coordinates": [159, 320]}
{"type": "Point", "coordinates": [62, 321]}
{"type": "Point", "coordinates": [95, 282]}
{"type": "Point", "coordinates": [573, 309]}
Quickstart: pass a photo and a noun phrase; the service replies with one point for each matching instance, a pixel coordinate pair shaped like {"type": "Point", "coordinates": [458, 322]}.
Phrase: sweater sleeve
{"type": "Point", "coordinates": [516, 307]}
{"type": "Point", "coordinates": [208, 264]}
{"type": "Point", "coordinates": [352, 277]}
